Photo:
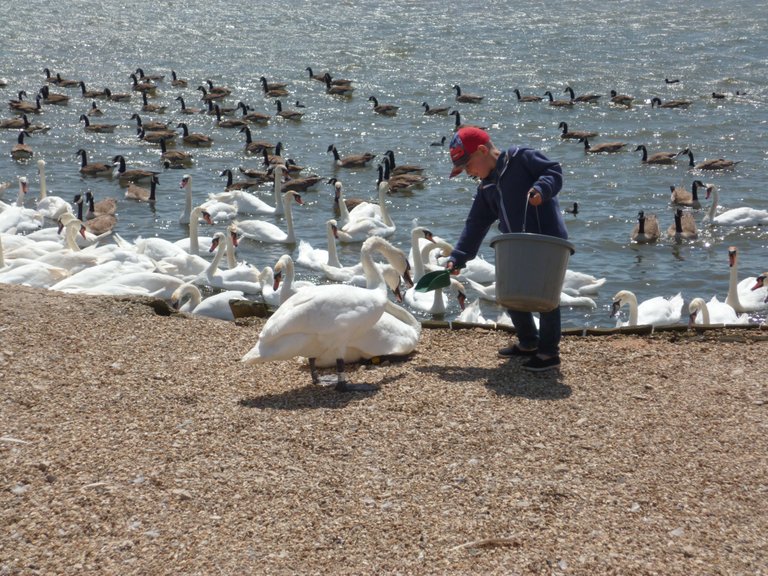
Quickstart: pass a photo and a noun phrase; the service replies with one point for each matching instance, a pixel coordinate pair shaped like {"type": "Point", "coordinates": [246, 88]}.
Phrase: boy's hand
{"type": "Point", "coordinates": [534, 197]}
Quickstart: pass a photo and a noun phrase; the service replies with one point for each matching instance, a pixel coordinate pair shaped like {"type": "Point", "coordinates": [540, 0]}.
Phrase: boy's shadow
{"type": "Point", "coordinates": [507, 380]}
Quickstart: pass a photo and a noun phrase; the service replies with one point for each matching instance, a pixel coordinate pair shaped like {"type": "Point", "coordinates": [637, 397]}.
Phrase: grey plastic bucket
{"type": "Point", "coordinates": [530, 269]}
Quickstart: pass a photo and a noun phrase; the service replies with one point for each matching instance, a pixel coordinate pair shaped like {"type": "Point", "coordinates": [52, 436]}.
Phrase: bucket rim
{"type": "Point", "coordinates": [531, 236]}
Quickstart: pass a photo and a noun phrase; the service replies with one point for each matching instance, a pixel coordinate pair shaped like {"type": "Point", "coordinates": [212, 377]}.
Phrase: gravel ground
{"type": "Point", "coordinates": [137, 443]}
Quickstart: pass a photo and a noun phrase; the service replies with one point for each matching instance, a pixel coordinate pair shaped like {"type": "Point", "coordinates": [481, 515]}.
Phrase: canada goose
{"type": "Point", "coordinates": [178, 82]}
{"type": "Point", "coordinates": [174, 158]}
{"type": "Point", "coordinates": [681, 197]}
{"type": "Point", "coordinates": [318, 77]}
{"type": "Point", "coordinates": [95, 169]}
{"type": "Point", "coordinates": [657, 103]}
{"type": "Point", "coordinates": [185, 109]}
{"type": "Point", "coordinates": [117, 96]}
{"type": "Point", "coordinates": [222, 110]}
{"type": "Point", "coordinates": [621, 99]}
{"type": "Point", "coordinates": [98, 224]}
{"type": "Point", "coordinates": [440, 142]}
{"type": "Point", "coordinates": [299, 104]}
{"type": "Point", "coordinates": [142, 86]}
{"type": "Point", "coordinates": [438, 111]}
{"type": "Point", "coordinates": [194, 138]}
{"type": "Point", "coordinates": [20, 122]}
{"type": "Point", "coordinates": [207, 97]}
{"type": "Point", "coordinates": [65, 82]}
{"type": "Point", "coordinates": [458, 124]}
{"type": "Point", "coordinates": [149, 77]}
{"type": "Point", "coordinates": [149, 107]}
{"type": "Point", "coordinates": [154, 136]}
{"type": "Point", "coordinates": [253, 117]}
{"type": "Point", "coordinates": [273, 91]}
{"type": "Point", "coordinates": [141, 194]}
{"type": "Point", "coordinates": [213, 89]}
{"type": "Point", "coordinates": [128, 176]}
{"type": "Point", "coordinates": [671, 81]}
{"type": "Point", "coordinates": [684, 227]}
{"type": "Point", "coordinates": [276, 158]}
{"type": "Point", "coordinates": [301, 184]}
{"type": "Point", "coordinates": [646, 230]}
{"type": "Point", "coordinates": [227, 122]}
{"type": "Point", "coordinates": [589, 98]}
{"type": "Point", "coordinates": [573, 209]}
{"type": "Point", "coordinates": [715, 164]}
{"type": "Point", "coordinates": [254, 146]}
{"type": "Point", "coordinates": [273, 85]}
{"type": "Point", "coordinates": [400, 182]}
{"type": "Point", "coordinates": [397, 169]}
{"type": "Point", "coordinates": [658, 157]}
{"type": "Point", "coordinates": [151, 126]}
{"type": "Point", "coordinates": [287, 114]}
{"type": "Point", "coordinates": [21, 151]}
{"type": "Point", "coordinates": [383, 109]}
{"type": "Point", "coordinates": [291, 167]}
{"type": "Point", "coordinates": [91, 93]}
{"type": "Point", "coordinates": [232, 185]}
{"type": "Point", "coordinates": [253, 174]}
{"type": "Point", "coordinates": [575, 134]}
{"type": "Point", "coordinates": [466, 98]}
{"type": "Point", "coordinates": [53, 98]}
{"type": "Point", "coordinates": [337, 89]}
{"type": "Point", "coordinates": [100, 128]}
{"type": "Point", "coordinates": [528, 98]}
{"type": "Point", "coordinates": [24, 106]}
{"type": "Point", "coordinates": [94, 110]}
{"type": "Point", "coordinates": [604, 147]}
{"type": "Point", "coordinates": [105, 206]}
{"type": "Point", "coordinates": [50, 78]}
{"type": "Point", "coordinates": [351, 161]}
{"type": "Point", "coordinates": [557, 103]}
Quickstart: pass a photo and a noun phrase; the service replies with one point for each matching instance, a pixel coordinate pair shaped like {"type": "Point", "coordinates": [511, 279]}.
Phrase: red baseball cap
{"type": "Point", "coordinates": [463, 144]}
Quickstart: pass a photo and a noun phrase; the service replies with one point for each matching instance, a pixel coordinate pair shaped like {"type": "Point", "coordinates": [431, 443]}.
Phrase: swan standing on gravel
{"type": "Point", "coordinates": [262, 231]}
{"type": "Point", "coordinates": [326, 320]}
{"type": "Point", "coordinates": [658, 311]}
{"type": "Point", "coordinates": [743, 216]}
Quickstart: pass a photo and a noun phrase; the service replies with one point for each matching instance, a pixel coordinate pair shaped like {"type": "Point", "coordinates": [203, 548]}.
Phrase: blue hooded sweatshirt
{"type": "Point", "coordinates": [503, 195]}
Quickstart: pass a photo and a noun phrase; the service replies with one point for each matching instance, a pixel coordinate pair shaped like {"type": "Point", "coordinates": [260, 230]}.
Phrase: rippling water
{"type": "Point", "coordinates": [407, 53]}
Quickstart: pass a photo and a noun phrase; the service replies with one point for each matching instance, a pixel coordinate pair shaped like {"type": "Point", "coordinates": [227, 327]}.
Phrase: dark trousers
{"type": "Point", "coordinates": [546, 338]}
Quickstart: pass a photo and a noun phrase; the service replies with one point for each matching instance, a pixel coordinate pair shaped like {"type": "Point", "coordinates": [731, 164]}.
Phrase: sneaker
{"type": "Point", "coordinates": [537, 364]}
{"type": "Point", "coordinates": [515, 350]}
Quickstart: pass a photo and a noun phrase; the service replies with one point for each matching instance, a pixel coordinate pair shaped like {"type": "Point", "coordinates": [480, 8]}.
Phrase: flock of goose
{"type": "Point", "coordinates": [72, 247]}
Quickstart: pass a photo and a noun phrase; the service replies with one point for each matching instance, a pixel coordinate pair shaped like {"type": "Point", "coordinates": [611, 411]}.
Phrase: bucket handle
{"type": "Point", "coordinates": [525, 212]}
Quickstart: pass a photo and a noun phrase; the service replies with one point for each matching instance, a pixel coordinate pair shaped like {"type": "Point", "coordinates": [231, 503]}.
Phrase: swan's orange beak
{"type": "Point", "coordinates": [276, 277]}
{"type": "Point", "coordinates": [214, 245]}
{"type": "Point", "coordinates": [691, 320]}
{"type": "Point", "coordinates": [233, 234]}
{"type": "Point", "coordinates": [759, 282]}
{"type": "Point", "coordinates": [82, 231]}
{"type": "Point", "coordinates": [207, 218]}
{"type": "Point", "coordinates": [462, 298]}
{"type": "Point", "coordinates": [615, 308]}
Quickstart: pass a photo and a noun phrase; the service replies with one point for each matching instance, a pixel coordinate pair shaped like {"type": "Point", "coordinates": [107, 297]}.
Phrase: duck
{"type": "Point", "coordinates": [174, 158]}
{"type": "Point", "coordinates": [657, 103]}
{"type": "Point", "coordinates": [94, 169]}
{"type": "Point", "coordinates": [604, 147]}
{"type": "Point", "coordinates": [383, 109]}
{"type": "Point", "coordinates": [127, 176]}
{"type": "Point", "coordinates": [436, 111]}
{"type": "Point", "coordinates": [98, 128]}
{"type": "Point", "coordinates": [51, 207]}
{"type": "Point", "coordinates": [465, 98]}
{"type": "Point", "coordinates": [527, 97]}
{"type": "Point", "coordinates": [657, 311]}
{"type": "Point", "coordinates": [742, 216]}
{"type": "Point", "coordinates": [20, 150]}
{"type": "Point", "coordinates": [713, 312]}
{"type": "Point", "coordinates": [252, 117]}
{"type": "Point", "coordinates": [283, 275]}
{"type": "Point", "coordinates": [262, 231]}
{"type": "Point", "coordinates": [715, 164]}
{"type": "Point", "coordinates": [274, 90]}
{"type": "Point", "coordinates": [140, 194]}
{"type": "Point", "coordinates": [657, 157]}
{"type": "Point", "coordinates": [646, 231]}
{"type": "Point", "coordinates": [681, 197]}
{"type": "Point", "coordinates": [288, 114]}
{"type": "Point", "coordinates": [187, 109]}
{"type": "Point", "coordinates": [322, 323]}
{"type": "Point", "coordinates": [344, 90]}
{"type": "Point", "coordinates": [621, 99]}
{"type": "Point", "coordinates": [177, 82]}
{"type": "Point", "coordinates": [741, 296]}
{"type": "Point", "coordinates": [574, 209]}
{"type": "Point", "coordinates": [588, 98]}
{"type": "Point", "coordinates": [558, 103]}
{"type": "Point", "coordinates": [196, 139]}
{"type": "Point", "coordinates": [684, 226]}
{"type": "Point", "coordinates": [187, 298]}
{"type": "Point", "coordinates": [90, 93]}
{"type": "Point", "coordinates": [358, 230]}
{"type": "Point", "coordinates": [575, 134]}
{"type": "Point", "coordinates": [53, 98]}
{"type": "Point", "coordinates": [117, 96]}
{"type": "Point", "coordinates": [351, 161]}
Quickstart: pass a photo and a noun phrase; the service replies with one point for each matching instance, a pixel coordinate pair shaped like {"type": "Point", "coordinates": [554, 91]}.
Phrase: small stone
{"type": "Point", "coordinates": [635, 507]}
{"type": "Point", "coordinates": [20, 489]}
{"type": "Point", "coordinates": [677, 532]}
{"type": "Point", "coordinates": [182, 494]}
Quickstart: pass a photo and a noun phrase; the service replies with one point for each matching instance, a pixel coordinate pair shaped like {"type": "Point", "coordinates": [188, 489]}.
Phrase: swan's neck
{"type": "Point", "coordinates": [373, 277]}
{"type": "Point", "coordinates": [194, 226]}
{"type": "Point", "coordinates": [43, 186]}
{"type": "Point", "coordinates": [185, 216]}
{"type": "Point", "coordinates": [2, 258]}
{"type": "Point", "coordinates": [72, 230]}
{"type": "Point", "coordinates": [213, 267]}
{"type": "Point", "coordinates": [732, 299]}
{"type": "Point", "coordinates": [343, 210]}
{"type": "Point", "coordinates": [20, 196]}
{"type": "Point", "coordinates": [403, 315]}
{"type": "Point", "coordinates": [713, 207]}
{"type": "Point", "coordinates": [385, 217]}
{"type": "Point", "coordinates": [288, 217]}
{"type": "Point", "coordinates": [632, 301]}
{"type": "Point", "coordinates": [418, 262]}
{"type": "Point", "coordinates": [194, 295]}
{"type": "Point", "coordinates": [279, 207]}
{"type": "Point", "coordinates": [705, 313]}
{"type": "Point", "coordinates": [333, 256]}
{"type": "Point", "coordinates": [230, 249]}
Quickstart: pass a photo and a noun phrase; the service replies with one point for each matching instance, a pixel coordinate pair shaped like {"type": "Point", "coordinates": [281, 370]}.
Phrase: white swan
{"type": "Point", "coordinates": [242, 277]}
{"type": "Point", "coordinates": [580, 284]}
{"type": "Point", "coordinates": [262, 231]}
{"type": "Point", "coordinates": [324, 321]}
{"type": "Point", "coordinates": [740, 295]}
{"type": "Point", "coordinates": [149, 283]}
{"type": "Point", "coordinates": [472, 314]}
{"type": "Point", "coordinates": [284, 277]}
{"type": "Point", "coordinates": [50, 207]}
{"type": "Point", "coordinates": [743, 216]}
{"type": "Point", "coordinates": [16, 219]}
{"type": "Point", "coordinates": [192, 243]}
{"type": "Point", "coordinates": [317, 258]}
{"type": "Point", "coordinates": [28, 272]}
{"type": "Point", "coordinates": [436, 302]}
{"type": "Point", "coordinates": [360, 211]}
{"type": "Point", "coordinates": [186, 185]}
{"type": "Point", "coordinates": [658, 311]}
{"type": "Point", "coordinates": [187, 298]}
{"type": "Point", "coordinates": [713, 312]}
{"type": "Point", "coordinates": [248, 203]}
{"type": "Point", "coordinates": [360, 229]}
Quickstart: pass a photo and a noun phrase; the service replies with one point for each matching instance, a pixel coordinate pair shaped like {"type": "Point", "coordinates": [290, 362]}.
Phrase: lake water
{"type": "Point", "coordinates": [405, 54]}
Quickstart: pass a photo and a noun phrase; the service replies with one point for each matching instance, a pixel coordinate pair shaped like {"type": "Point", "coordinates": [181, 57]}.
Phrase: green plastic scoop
{"type": "Point", "coordinates": [434, 280]}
